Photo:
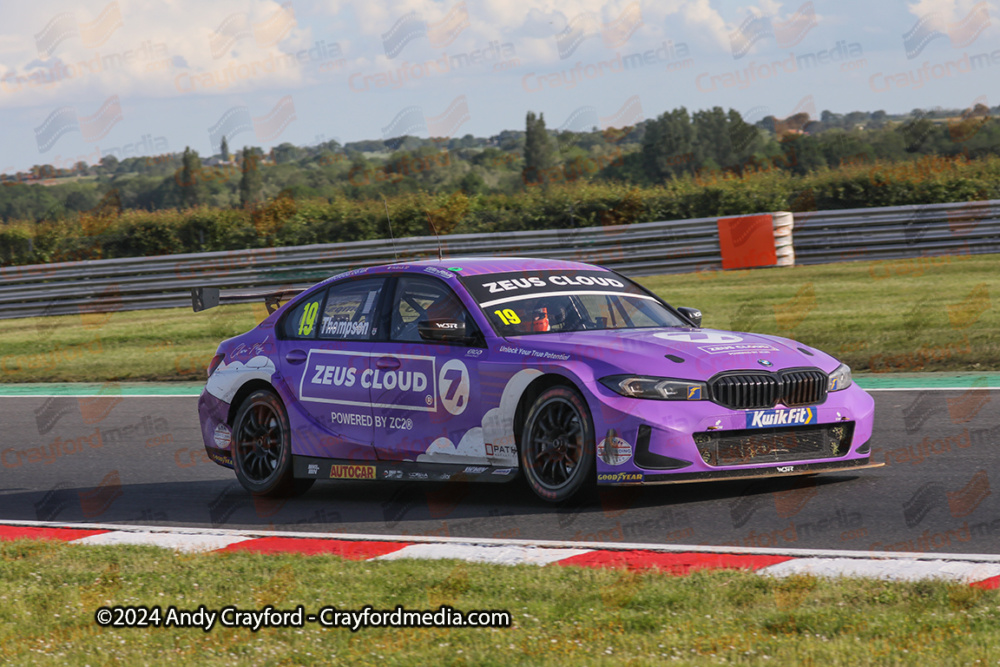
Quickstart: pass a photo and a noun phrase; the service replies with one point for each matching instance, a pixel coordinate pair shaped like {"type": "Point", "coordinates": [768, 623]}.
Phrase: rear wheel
{"type": "Point", "coordinates": [557, 445]}
{"type": "Point", "coordinates": [262, 447]}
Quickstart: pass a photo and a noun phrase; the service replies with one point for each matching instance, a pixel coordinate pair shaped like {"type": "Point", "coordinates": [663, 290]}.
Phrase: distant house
{"type": "Point", "coordinates": [217, 161]}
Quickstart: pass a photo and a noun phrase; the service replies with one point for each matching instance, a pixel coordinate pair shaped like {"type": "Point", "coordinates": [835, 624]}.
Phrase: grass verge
{"type": "Point", "coordinates": [50, 591]}
{"type": "Point", "coordinates": [924, 314]}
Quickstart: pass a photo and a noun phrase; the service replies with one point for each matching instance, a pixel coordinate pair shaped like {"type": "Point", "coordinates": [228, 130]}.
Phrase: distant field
{"type": "Point", "coordinates": [921, 314]}
{"type": "Point", "coordinates": [561, 615]}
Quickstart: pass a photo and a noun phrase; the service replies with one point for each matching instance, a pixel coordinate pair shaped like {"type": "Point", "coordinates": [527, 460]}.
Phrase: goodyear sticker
{"type": "Point", "coordinates": [791, 417]}
{"type": "Point", "coordinates": [224, 459]}
{"type": "Point", "coordinates": [620, 477]}
{"type": "Point", "coordinates": [694, 394]}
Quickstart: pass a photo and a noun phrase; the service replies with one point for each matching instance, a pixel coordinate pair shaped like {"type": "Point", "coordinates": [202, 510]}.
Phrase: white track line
{"type": "Point", "coordinates": [899, 569]}
{"type": "Point", "coordinates": [548, 544]}
{"type": "Point", "coordinates": [179, 541]}
{"type": "Point", "coordinates": [497, 555]}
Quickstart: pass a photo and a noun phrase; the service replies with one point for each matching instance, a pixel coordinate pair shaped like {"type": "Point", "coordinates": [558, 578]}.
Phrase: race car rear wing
{"type": "Point", "coordinates": [203, 298]}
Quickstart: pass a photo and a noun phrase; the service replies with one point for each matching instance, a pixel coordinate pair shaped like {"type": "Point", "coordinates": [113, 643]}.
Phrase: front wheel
{"type": "Point", "coordinates": [262, 447]}
{"type": "Point", "coordinates": [557, 444]}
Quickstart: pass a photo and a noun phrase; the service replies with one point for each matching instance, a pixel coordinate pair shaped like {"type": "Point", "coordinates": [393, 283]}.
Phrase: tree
{"type": "Point", "coordinates": [917, 131]}
{"type": "Point", "coordinates": [224, 149]}
{"type": "Point", "coordinates": [472, 183]}
{"type": "Point", "coordinates": [190, 179]}
{"type": "Point", "coordinates": [537, 149]}
{"type": "Point", "coordinates": [286, 152]}
{"type": "Point", "coordinates": [109, 163]}
{"type": "Point", "coordinates": [714, 138]}
{"type": "Point", "coordinates": [250, 180]}
{"type": "Point", "coordinates": [668, 146]}
{"type": "Point", "coordinates": [878, 119]}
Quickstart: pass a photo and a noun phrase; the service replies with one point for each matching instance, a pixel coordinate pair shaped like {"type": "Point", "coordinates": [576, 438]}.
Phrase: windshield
{"type": "Point", "coordinates": [532, 302]}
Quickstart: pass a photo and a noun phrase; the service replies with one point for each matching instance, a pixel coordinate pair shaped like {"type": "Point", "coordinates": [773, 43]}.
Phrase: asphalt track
{"type": "Point", "coordinates": [139, 460]}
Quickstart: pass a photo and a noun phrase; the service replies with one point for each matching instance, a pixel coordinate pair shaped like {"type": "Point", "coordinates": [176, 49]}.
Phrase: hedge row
{"type": "Point", "coordinates": [107, 232]}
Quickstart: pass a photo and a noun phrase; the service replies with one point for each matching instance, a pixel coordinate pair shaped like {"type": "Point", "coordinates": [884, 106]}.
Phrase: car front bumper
{"type": "Point", "coordinates": [676, 441]}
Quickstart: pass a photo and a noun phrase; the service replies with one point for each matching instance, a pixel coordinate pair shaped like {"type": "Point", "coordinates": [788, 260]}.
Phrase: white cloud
{"type": "Point", "coordinates": [470, 449]}
{"type": "Point", "coordinates": [146, 53]}
{"type": "Point", "coordinates": [951, 10]}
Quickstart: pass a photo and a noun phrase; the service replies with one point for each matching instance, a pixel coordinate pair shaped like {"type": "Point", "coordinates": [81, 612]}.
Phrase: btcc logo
{"type": "Point", "coordinates": [793, 417]}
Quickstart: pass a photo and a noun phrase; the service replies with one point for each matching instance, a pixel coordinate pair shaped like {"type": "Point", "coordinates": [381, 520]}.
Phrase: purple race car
{"type": "Point", "coordinates": [477, 369]}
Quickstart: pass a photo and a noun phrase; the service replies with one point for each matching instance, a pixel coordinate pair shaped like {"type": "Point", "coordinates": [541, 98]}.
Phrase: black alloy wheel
{"type": "Point", "coordinates": [557, 444]}
{"type": "Point", "coordinates": [262, 447]}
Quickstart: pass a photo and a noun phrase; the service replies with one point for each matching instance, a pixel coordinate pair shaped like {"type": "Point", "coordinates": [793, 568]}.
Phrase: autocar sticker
{"type": "Point", "coordinates": [228, 378]}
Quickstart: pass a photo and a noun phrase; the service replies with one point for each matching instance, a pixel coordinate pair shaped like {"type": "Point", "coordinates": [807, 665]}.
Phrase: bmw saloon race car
{"type": "Point", "coordinates": [486, 369]}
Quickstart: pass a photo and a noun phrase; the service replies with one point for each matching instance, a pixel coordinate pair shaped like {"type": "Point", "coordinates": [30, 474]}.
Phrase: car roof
{"type": "Point", "coordinates": [476, 266]}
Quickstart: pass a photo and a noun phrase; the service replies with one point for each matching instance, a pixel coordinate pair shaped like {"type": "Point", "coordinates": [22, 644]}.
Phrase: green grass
{"type": "Point", "coordinates": [924, 314]}
{"type": "Point", "coordinates": [50, 591]}
{"type": "Point", "coordinates": [166, 344]}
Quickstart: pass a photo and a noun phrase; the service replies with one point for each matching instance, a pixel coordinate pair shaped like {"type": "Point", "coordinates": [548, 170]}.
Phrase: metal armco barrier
{"type": "Point", "coordinates": [678, 246]}
{"type": "Point", "coordinates": [897, 232]}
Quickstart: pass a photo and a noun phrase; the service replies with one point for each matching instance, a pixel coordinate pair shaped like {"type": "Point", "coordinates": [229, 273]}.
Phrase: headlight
{"type": "Point", "coordinates": [663, 389]}
{"type": "Point", "coordinates": [840, 378]}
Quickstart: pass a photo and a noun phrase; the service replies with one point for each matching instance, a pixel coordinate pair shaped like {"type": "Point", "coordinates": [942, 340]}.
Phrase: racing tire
{"type": "Point", "coordinates": [262, 448]}
{"type": "Point", "coordinates": [557, 445]}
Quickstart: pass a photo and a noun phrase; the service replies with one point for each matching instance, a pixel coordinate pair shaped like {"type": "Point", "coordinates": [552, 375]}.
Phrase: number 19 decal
{"type": "Point", "coordinates": [308, 320]}
{"type": "Point", "coordinates": [507, 316]}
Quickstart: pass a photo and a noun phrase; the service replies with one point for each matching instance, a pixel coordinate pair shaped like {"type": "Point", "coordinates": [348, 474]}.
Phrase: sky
{"type": "Point", "coordinates": [81, 80]}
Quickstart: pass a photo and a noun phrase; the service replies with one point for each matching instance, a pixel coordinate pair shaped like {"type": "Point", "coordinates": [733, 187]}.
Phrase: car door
{"type": "Point", "coordinates": [423, 393]}
{"type": "Point", "coordinates": [325, 357]}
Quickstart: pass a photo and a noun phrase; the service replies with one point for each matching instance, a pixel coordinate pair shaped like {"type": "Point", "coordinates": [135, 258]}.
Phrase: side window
{"type": "Point", "coordinates": [303, 321]}
{"type": "Point", "coordinates": [350, 310]}
{"type": "Point", "coordinates": [418, 298]}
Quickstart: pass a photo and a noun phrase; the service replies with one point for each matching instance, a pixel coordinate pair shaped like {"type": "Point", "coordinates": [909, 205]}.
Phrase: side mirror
{"type": "Point", "coordinates": [692, 314]}
{"type": "Point", "coordinates": [444, 330]}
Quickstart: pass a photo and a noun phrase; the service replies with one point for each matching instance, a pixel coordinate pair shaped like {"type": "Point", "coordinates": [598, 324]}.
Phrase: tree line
{"type": "Point", "coordinates": [676, 144]}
